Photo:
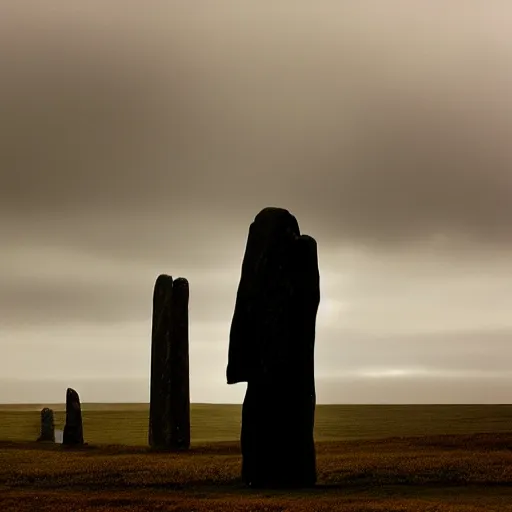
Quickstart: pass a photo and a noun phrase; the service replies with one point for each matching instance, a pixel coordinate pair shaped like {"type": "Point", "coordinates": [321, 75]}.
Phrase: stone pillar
{"type": "Point", "coordinates": [73, 430]}
{"type": "Point", "coordinates": [179, 368]}
{"type": "Point", "coordinates": [47, 426]}
{"type": "Point", "coordinates": [169, 409]}
{"type": "Point", "coordinates": [159, 427]}
{"type": "Point", "coordinates": [271, 348]}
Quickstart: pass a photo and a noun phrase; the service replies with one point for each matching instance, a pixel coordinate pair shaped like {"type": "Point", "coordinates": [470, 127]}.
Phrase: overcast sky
{"type": "Point", "coordinates": [138, 140]}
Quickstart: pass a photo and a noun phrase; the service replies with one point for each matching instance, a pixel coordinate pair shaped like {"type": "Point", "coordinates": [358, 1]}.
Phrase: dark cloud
{"type": "Point", "coordinates": [204, 122]}
{"type": "Point", "coordinates": [32, 303]}
{"type": "Point", "coordinates": [85, 295]}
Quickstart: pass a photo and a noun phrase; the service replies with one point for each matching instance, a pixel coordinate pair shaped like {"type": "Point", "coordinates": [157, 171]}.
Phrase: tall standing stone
{"type": "Point", "coordinates": [47, 426]}
{"type": "Point", "coordinates": [271, 348]}
{"type": "Point", "coordinates": [159, 428]}
{"type": "Point", "coordinates": [73, 429]}
{"type": "Point", "coordinates": [169, 410]}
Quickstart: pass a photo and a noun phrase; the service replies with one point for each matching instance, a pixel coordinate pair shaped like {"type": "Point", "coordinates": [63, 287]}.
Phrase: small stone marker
{"type": "Point", "coordinates": [73, 430]}
{"type": "Point", "coordinates": [47, 426]}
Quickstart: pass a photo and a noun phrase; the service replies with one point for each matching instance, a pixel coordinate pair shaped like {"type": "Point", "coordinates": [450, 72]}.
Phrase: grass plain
{"type": "Point", "coordinates": [370, 458]}
{"type": "Point", "coordinates": [128, 423]}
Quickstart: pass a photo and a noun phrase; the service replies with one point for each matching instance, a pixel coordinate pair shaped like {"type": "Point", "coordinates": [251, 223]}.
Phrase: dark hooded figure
{"type": "Point", "coordinates": [271, 348]}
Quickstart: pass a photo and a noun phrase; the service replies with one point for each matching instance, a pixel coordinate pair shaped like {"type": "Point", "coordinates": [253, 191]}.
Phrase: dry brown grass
{"type": "Point", "coordinates": [436, 473]}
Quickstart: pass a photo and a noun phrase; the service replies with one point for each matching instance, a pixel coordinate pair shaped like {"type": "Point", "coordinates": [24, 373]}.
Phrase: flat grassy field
{"type": "Point", "coordinates": [426, 474]}
{"type": "Point", "coordinates": [127, 424]}
{"type": "Point", "coordinates": [370, 458]}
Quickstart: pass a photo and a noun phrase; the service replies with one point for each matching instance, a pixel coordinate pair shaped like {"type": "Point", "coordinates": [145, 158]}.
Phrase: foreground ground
{"type": "Point", "coordinates": [435, 473]}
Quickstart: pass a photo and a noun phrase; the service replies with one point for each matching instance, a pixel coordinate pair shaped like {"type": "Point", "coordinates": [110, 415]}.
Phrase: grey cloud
{"type": "Point", "coordinates": [347, 353]}
{"type": "Point", "coordinates": [168, 241]}
{"type": "Point", "coordinates": [44, 287]}
{"type": "Point", "coordinates": [35, 304]}
{"type": "Point", "coordinates": [29, 303]}
{"type": "Point", "coordinates": [373, 142]}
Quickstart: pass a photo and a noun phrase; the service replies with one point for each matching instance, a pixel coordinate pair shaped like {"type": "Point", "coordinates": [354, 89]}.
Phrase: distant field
{"type": "Point", "coordinates": [128, 423]}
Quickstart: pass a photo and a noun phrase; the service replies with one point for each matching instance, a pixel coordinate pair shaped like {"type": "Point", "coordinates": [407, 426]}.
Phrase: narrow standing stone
{"type": "Point", "coordinates": [169, 410]}
{"type": "Point", "coordinates": [47, 426]}
{"type": "Point", "coordinates": [179, 405]}
{"type": "Point", "coordinates": [159, 426]}
{"type": "Point", "coordinates": [272, 349]}
{"type": "Point", "coordinates": [73, 430]}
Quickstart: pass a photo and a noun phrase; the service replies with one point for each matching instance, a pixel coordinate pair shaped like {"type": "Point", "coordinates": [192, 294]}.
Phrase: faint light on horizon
{"type": "Point", "coordinates": [394, 372]}
{"type": "Point", "coordinates": [391, 373]}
